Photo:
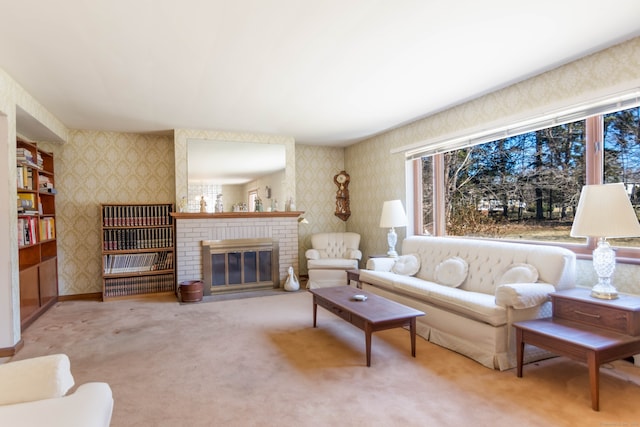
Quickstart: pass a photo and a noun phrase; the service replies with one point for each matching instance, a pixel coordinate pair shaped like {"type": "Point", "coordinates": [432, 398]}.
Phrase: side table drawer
{"type": "Point", "coordinates": [597, 315]}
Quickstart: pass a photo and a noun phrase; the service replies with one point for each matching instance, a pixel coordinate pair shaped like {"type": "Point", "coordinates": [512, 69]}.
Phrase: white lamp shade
{"type": "Point", "coordinates": [393, 214]}
{"type": "Point", "coordinates": [605, 211]}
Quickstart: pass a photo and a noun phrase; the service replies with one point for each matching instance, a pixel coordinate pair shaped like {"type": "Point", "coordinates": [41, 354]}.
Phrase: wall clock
{"type": "Point", "coordinates": [342, 195]}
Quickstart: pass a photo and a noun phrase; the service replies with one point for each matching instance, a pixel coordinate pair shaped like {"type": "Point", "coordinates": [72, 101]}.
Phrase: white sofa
{"type": "Point", "coordinates": [330, 256]}
{"type": "Point", "coordinates": [33, 393]}
{"type": "Point", "coordinates": [498, 283]}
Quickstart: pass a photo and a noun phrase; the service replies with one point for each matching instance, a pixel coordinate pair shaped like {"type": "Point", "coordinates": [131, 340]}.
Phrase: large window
{"type": "Point", "coordinates": [527, 186]}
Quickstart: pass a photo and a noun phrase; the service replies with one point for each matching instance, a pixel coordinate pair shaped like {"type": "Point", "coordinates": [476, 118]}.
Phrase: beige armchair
{"type": "Point", "coordinates": [35, 392]}
{"type": "Point", "coordinates": [329, 258]}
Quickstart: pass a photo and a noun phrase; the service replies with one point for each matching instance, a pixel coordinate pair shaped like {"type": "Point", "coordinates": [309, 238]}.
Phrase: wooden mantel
{"type": "Point", "coordinates": [225, 215]}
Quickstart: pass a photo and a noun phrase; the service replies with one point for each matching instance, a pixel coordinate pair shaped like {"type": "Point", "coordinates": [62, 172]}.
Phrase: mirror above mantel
{"type": "Point", "coordinates": [233, 165]}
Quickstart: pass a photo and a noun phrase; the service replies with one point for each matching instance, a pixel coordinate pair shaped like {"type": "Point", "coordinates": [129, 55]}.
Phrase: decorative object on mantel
{"type": "Point", "coordinates": [223, 215]}
{"type": "Point", "coordinates": [393, 215]}
{"type": "Point", "coordinates": [219, 206]}
{"type": "Point", "coordinates": [292, 283]}
{"type": "Point", "coordinates": [259, 207]}
{"type": "Point", "coordinates": [605, 211]}
{"type": "Point", "coordinates": [183, 204]}
{"type": "Point", "coordinates": [343, 211]}
{"type": "Point", "coordinates": [290, 206]}
{"type": "Point", "coordinates": [240, 207]}
{"type": "Point", "coordinates": [203, 204]}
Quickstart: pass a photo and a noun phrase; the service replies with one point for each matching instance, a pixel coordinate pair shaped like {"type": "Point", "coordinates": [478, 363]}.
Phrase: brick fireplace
{"type": "Point", "coordinates": [192, 229]}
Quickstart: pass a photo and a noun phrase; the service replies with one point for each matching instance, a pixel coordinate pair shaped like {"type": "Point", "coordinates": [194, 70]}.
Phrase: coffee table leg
{"type": "Point", "coordinates": [412, 331]}
{"type": "Point", "coordinates": [315, 311]}
{"type": "Point", "coordinates": [367, 335]}
{"type": "Point", "coordinates": [519, 351]}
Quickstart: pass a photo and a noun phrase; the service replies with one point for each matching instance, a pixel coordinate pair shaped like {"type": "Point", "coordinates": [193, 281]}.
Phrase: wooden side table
{"type": "Point", "coordinates": [584, 329]}
{"type": "Point", "coordinates": [354, 275]}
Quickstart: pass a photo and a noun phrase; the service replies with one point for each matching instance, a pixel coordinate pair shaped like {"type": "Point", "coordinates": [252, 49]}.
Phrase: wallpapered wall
{"type": "Point", "coordinates": [102, 167]}
{"type": "Point", "coordinates": [316, 193]}
{"type": "Point", "coordinates": [108, 167]}
{"type": "Point", "coordinates": [377, 175]}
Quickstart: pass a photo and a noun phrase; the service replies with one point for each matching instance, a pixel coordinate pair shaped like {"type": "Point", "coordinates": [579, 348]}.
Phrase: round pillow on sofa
{"type": "Point", "coordinates": [519, 273]}
{"type": "Point", "coordinates": [452, 272]}
{"type": "Point", "coordinates": [406, 265]}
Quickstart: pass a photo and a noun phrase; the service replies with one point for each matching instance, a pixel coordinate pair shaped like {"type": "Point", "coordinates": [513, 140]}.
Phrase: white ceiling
{"type": "Point", "coordinates": [326, 72]}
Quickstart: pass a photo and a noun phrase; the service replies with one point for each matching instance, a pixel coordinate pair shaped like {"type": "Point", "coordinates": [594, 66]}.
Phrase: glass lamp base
{"type": "Point", "coordinates": [604, 292]}
{"type": "Point", "coordinates": [604, 263]}
{"type": "Point", "coordinates": [392, 239]}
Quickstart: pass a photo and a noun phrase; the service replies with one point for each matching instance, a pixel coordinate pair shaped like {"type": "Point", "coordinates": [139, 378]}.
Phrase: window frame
{"type": "Point", "coordinates": [594, 164]}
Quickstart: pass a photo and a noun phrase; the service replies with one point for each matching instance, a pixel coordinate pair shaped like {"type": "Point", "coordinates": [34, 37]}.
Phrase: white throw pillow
{"type": "Point", "coordinates": [406, 265]}
{"type": "Point", "coordinates": [519, 273]}
{"type": "Point", "coordinates": [452, 272]}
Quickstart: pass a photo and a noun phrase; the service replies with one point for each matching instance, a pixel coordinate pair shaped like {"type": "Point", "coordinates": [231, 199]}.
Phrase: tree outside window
{"type": "Point", "coordinates": [526, 187]}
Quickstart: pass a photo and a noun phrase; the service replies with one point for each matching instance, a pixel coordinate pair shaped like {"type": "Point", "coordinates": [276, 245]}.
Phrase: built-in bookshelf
{"type": "Point", "coordinates": [37, 245]}
{"type": "Point", "coordinates": [138, 255]}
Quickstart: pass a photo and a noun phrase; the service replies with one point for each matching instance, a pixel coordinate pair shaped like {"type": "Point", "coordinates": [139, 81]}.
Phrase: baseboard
{"type": "Point", "coordinates": [81, 297]}
{"type": "Point", "coordinates": [11, 351]}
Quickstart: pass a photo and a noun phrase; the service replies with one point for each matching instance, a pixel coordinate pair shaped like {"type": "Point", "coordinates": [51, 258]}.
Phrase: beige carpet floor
{"type": "Point", "coordinates": [259, 362]}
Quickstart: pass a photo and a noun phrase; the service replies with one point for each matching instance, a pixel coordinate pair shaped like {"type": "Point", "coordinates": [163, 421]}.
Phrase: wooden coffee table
{"type": "Point", "coordinates": [374, 314]}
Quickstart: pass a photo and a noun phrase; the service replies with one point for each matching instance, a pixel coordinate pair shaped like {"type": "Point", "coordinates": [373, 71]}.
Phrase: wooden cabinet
{"type": "Point", "coordinates": [37, 245]}
{"type": "Point", "coordinates": [138, 253]}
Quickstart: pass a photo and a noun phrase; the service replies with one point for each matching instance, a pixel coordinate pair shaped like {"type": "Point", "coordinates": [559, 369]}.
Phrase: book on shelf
{"type": "Point", "coordinates": [134, 263]}
{"type": "Point", "coordinates": [136, 215]}
{"type": "Point", "coordinates": [27, 204]}
{"type": "Point", "coordinates": [24, 177]}
{"type": "Point", "coordinates": [47, 228]}
{"type": "Point", "coordinates": [27, 231]}
{"type": "Point", "coordinates": [19, 177]}
{"type": "Point", "coordinates": [45, 185]}
{"type": "Point", "coordinates": [137, 238]}
{"type": "Point", "coordinates": [25, 155]}
{"type": "Point", "coordinates": [124, 286]}
{"type": "Point", "coordinates": [27, 200]}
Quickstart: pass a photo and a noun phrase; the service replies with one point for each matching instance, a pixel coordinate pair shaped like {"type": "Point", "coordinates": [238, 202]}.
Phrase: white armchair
{"type": "Point", "coordinates": [330, 256]}
{"type": "Point", "coordinates": [33, 392]}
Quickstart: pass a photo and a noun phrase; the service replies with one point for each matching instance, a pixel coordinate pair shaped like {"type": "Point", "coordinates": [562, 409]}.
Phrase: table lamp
{"type": "Point", "coordinates": [605, 211]}
{"type": "Point", "coordinates": [393, 215]}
